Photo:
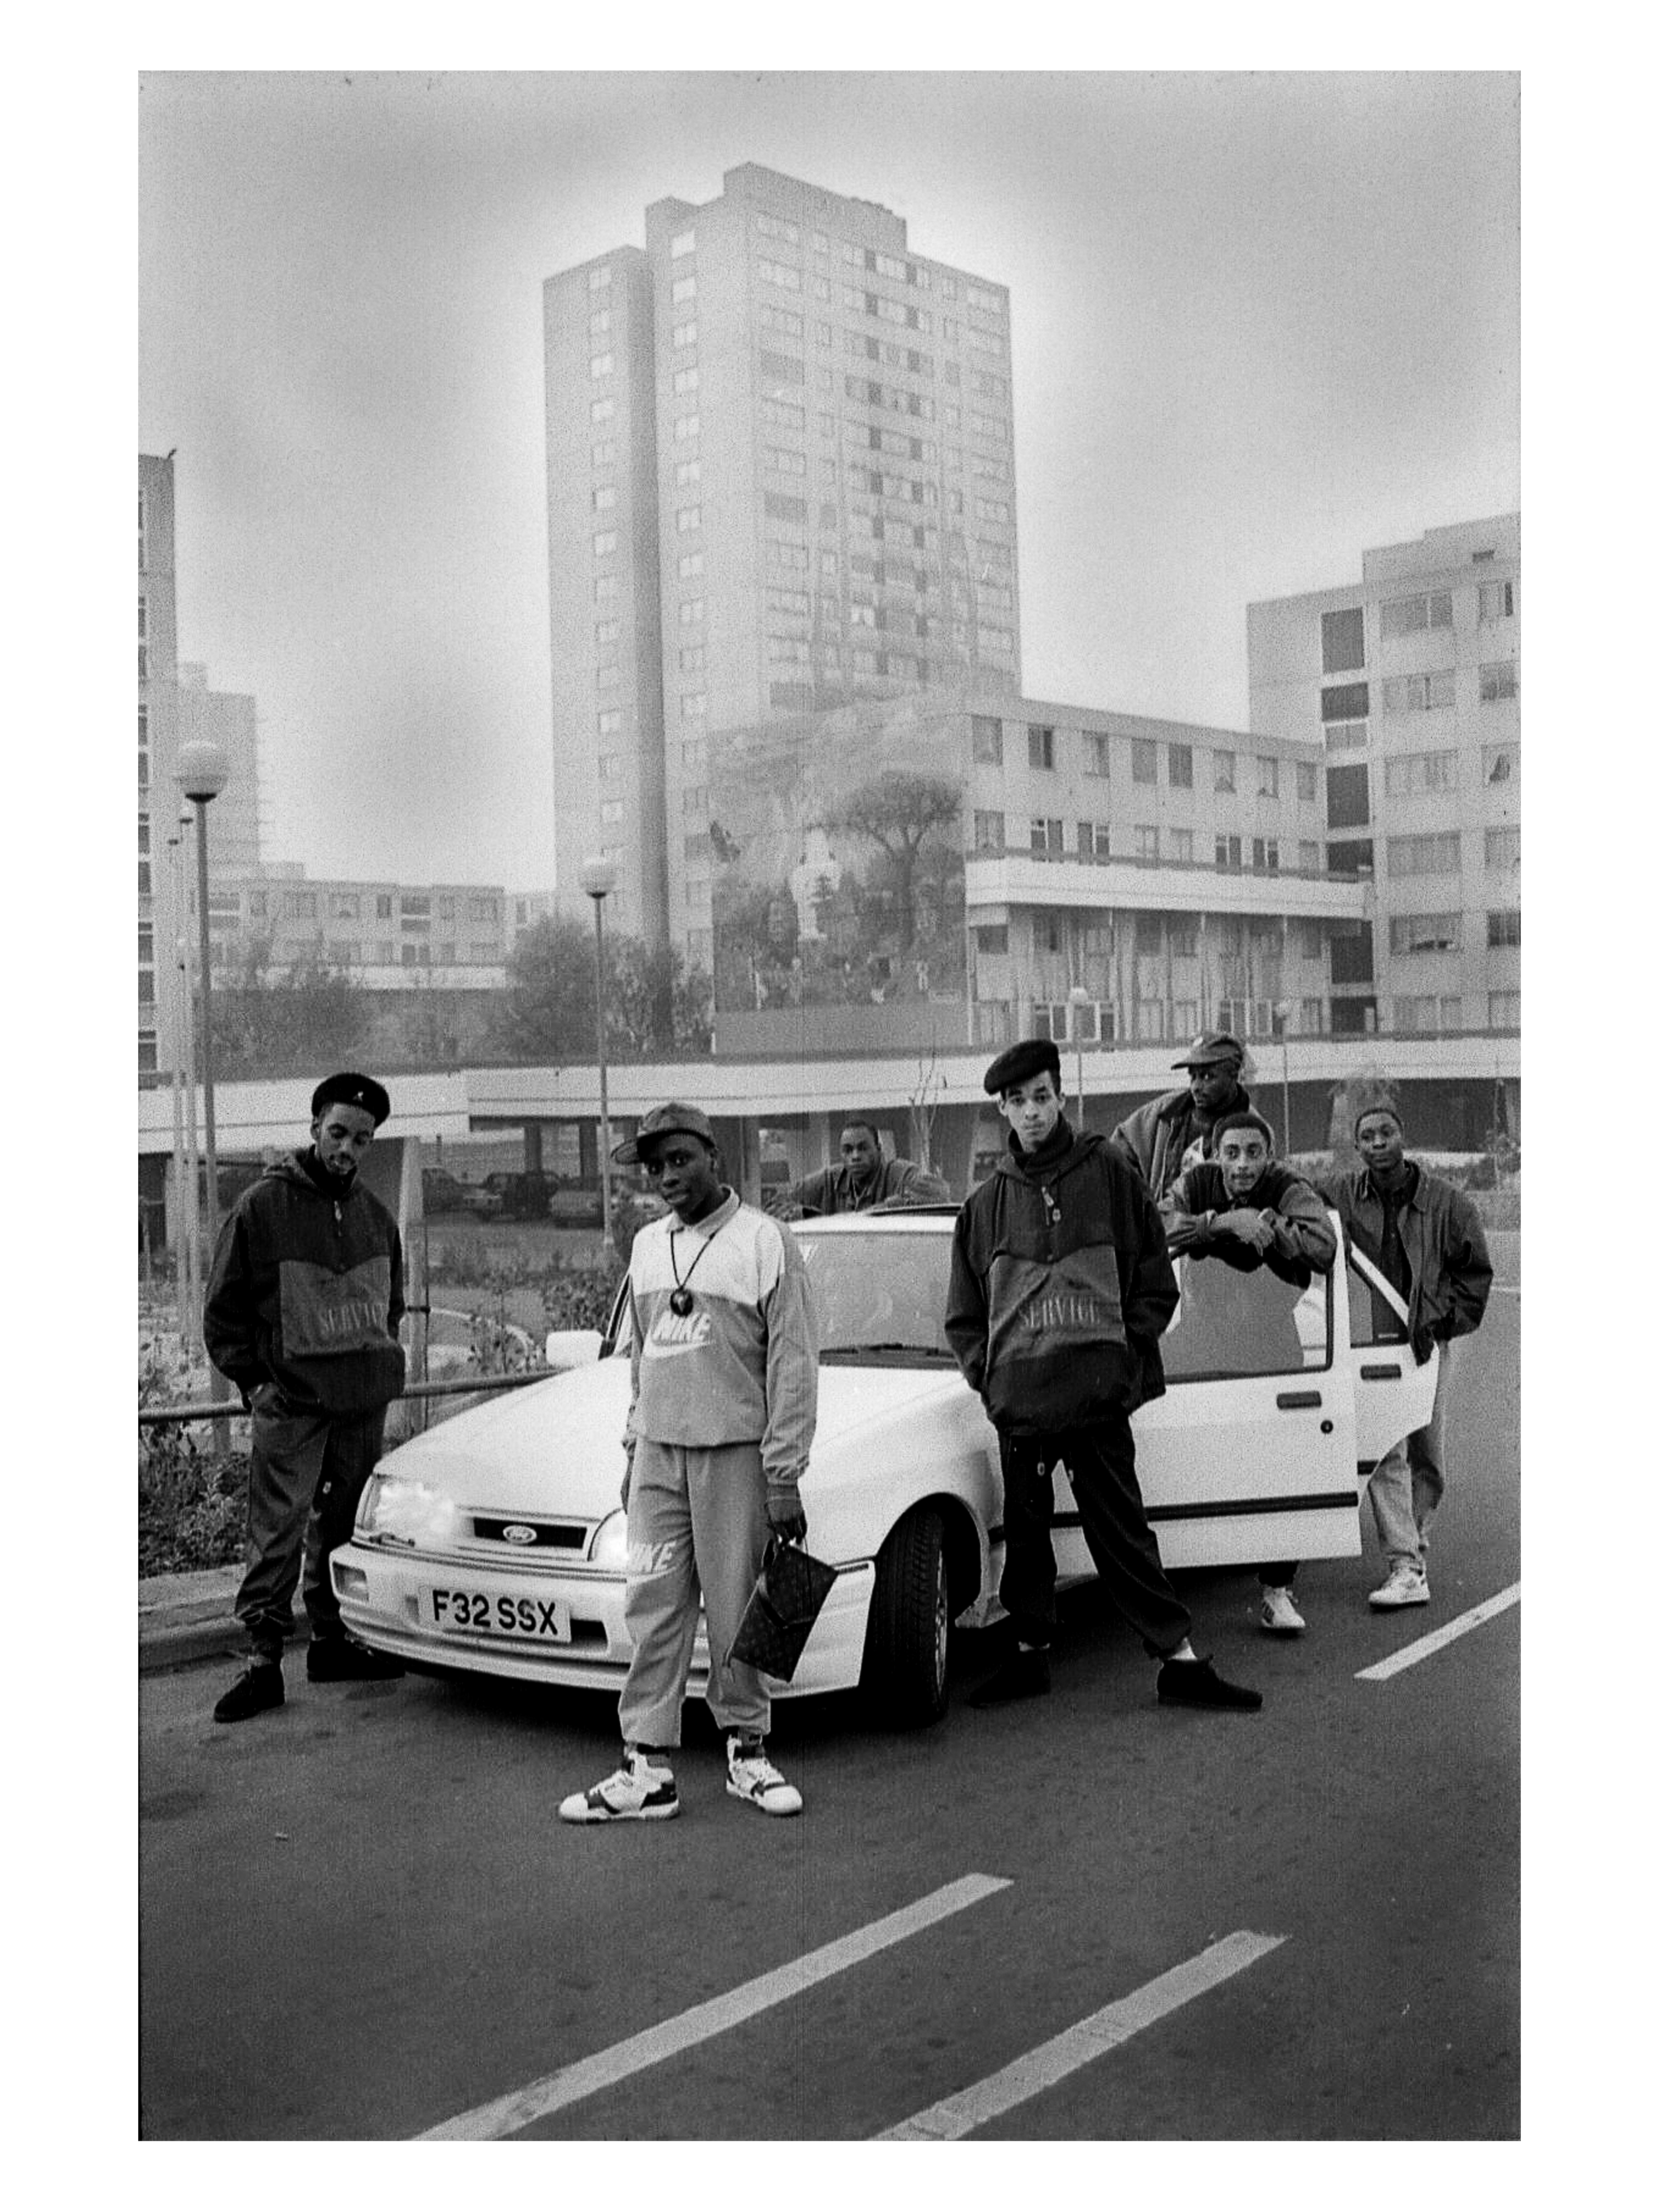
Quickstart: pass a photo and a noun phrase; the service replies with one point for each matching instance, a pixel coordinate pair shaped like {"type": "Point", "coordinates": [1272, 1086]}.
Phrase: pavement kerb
{"type": "Point", "coordinates": [185, 1618]}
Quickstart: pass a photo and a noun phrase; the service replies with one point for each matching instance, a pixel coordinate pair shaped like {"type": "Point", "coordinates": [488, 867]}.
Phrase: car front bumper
{"type": "Point", "coordinates": [386, 1599]}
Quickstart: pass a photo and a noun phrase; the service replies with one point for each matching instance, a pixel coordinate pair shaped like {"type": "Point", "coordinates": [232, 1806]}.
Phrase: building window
{"type": "Point", "coordinates": [686, 426]}
{"type": "Point", "coordinates": [605, 588]}
{"type": "Point", "coordinates": [1438, 853]}
{"type": "Point", "coordinates": [1408, 775]}
{"type": "Point", "coordinates": [602, 364]}
{"type": "Point", "coordinates": [1266, 776]}
{"type": "Point", "coordinates": [607, 632]}
{"type": "Point", "coordinates": [1143, 760]}
{"type": "Point", "coordinates": [682, 243]}
{"type": "Point", "coordinates": [1264, 855]}
{"type": "Point", "coordinates": [1307, 857]}
{"type": "Point", "coordinates": [1342, 640]}
{"type": "Point", "coordinates": [598, 280]}
{"type": "Point", "coordinates": [1503, 927]}
{"type": "Point", "coordinates": [1346, 737]}
{"type": "Point", "coordinates": [599, 322]}
{"type": "Point", "coordinates": [605, 543]}
{"type": "Point", "coordinates": [610, 722]}
{"type": "Point", "coordinates": [602, 411]}
{"type": "Point", "coordinates": [1230, 853]}
{"type": "Point", "coordinates": [1496, 602]}
{"type": "Point", "coordinates": [1422, 610]}
{"type": "Point", "coordinates": [988, 740]}
{"type": "Point", "coordinates": [1094, 753]}
{"type": "Point", "coordinates": [690, 564]}
{"type": "Point", "coordinates": [690, 612]}
{"type": "Point", "coordinates": [989, 832]}
{"type": "Point", "coordinates": [610, 768]}
{"type": "Point", "coordinates": [1425, 932]}
{"type": "Point", "coordinates": [1181, 767]}
{"type": "Point", "coordinates": [1353, 856]}
{"type": "Point", "coordinates": [1503, 850]}
{"type": "Point", "coordinates": [1350, 953]}
{"type": "Point", "coordinates": [1347, 798]}
{"type": "Point", "coordinates": [1227, 771]}
{"type": "Point", "coordinates": [1417, 695]}
{"type": "Point", "coordinates": [1040, 746]}
{"type": "Point", "coordinates": [1344, 702]}
{"type": "Point", "coordinates": [1145, 841]}
{"type": "Point", "coordinates": [991, 937]}
{"type": "Point", "coordinates": [1502, 1009]}
{"type": "Point", "coordinates": [1500, 764]}
{"type": "Point", "coordinates": [1181, 845]}
{"type": "Point", "coordinates": [603, 455]}
{"type": "Point", "coordinates": [1047, 838]}
{"type": "Point", "coordinates": [683, 289]}
{"type": "Point", "coordinates": [604, 498]}
{"type": "Point", "coordinates": [685, 380]}
{"type": "Point", "coordinates": [1499, 680]}
{"type": "Point", "coordinates": [694, 658]}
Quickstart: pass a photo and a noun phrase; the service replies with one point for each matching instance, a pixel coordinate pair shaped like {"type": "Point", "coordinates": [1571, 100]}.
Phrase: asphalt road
{"type": "Point", "coordinates": [362, 1919]}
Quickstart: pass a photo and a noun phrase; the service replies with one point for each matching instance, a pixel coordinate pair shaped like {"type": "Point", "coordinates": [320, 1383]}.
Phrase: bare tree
{"type": "Point", "coordinates": [924, 1105]}
{"type": "Point", "coordinates": [896, 811]}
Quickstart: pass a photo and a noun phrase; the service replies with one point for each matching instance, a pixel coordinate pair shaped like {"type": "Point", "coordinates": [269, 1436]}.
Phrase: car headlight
{"type": "Point", "coordinates": [397, 1510]}
{"type": "Point", "coordinates": [611, 1542]}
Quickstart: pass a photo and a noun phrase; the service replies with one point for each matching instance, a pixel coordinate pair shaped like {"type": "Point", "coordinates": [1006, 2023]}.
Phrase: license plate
{"type": "Point", "coordinates": [475, 1613]}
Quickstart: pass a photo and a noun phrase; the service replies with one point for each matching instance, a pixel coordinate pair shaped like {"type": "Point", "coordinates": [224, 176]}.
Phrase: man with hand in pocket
{"type": "Point", "coordinates": [302, 1308]}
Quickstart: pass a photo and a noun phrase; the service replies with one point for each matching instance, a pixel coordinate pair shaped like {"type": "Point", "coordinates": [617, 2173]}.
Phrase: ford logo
{"type": "Point", "coordinates": [516, 1533]}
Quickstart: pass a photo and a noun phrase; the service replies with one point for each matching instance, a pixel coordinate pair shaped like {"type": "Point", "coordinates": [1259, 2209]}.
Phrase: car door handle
{"type": "Point", "coordinates": [1291, 1401]}
{"type": "Point", "coordinates": [1379, 1374]}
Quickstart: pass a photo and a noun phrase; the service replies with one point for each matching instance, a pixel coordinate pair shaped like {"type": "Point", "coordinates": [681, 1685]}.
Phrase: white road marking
{"type": "Point", "coordinates": [953, 2117]}
{"type": "Point", "coordinates": [1427, 1646]}
{"type": "Point", "coordinates": [504, 2115]}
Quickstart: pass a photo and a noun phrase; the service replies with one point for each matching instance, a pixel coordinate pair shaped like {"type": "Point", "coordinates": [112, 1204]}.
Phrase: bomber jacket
{"type": "Point", "coordinates": [832, 1190]}
{"type": "Point", "coordinates": [1304, 1243]}
{"type": "Point", "coordinates": [1157, 1136]}
{"type": "Point", "coordinates": [1445, 1247]}
{"type": "Point", "coordinates": [1060, 1287]}
{"type": "Point", "coordinates": [306, 1292]}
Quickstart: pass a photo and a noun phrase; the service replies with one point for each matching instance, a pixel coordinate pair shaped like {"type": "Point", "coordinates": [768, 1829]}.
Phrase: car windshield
{"type": "Point", "coordinates": [879, 1294]}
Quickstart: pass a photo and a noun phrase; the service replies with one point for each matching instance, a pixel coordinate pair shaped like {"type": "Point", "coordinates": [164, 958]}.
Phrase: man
{"type": "Point", "coordinates": [1060, 1287]}
{"type": "Point", "coordinates": [719, 1425]}
{"type": "Point", "coordinates": [1173, 1131]}
{"type": "Point", "coordinates": [301, 1314]}
{"type": "Point", "coordinates": [1265, 1228]}
{"type": "Point", "coordinates": [864, 1179]}
{"type": "Point", "coordinates": [1426, 1238]}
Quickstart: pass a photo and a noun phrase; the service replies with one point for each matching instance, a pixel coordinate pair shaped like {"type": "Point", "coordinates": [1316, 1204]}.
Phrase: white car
{"type": "Point", "coordinates": [495, 1543]}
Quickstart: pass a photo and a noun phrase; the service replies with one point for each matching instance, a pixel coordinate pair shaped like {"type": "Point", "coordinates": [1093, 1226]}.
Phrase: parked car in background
{"type": "Point", "coordinates": [496, 1543]}
{"type": "Point", "coordinates": [444, 1193]}
{"type": "Point", "coordinates": [524, 1195]}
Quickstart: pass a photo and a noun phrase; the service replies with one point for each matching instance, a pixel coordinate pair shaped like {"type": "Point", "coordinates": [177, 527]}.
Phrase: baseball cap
{"type": "Point", "coordinates": [1210, 1050]}
{"type": "Point", "coordinates": [674, 1119]}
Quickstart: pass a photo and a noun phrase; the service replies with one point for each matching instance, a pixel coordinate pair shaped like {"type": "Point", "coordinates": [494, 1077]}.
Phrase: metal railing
{"type": "Point", "coordinates": [150, 1417]}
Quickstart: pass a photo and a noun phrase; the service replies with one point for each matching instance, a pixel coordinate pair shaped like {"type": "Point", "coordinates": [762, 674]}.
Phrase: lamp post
{"type": "Point", "coordinates": [204, 771]}
{"type": "Point", "coordinates": [1282, 1024]}
{"type": "Point", "coordinates": [1077, 998]}
{"type": "Point", "coordinates": [598, 881]}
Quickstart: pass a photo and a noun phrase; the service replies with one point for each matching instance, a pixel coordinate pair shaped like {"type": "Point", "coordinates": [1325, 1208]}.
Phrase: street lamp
{"type": "Point", "coordinates": [598, 881]}
{"type": "Point", "coordinates": [1282, 1024]}
{"type": "Point", "coordinates": [1077, 998]}
{"type": "Point", "coordinates": [203, 770]}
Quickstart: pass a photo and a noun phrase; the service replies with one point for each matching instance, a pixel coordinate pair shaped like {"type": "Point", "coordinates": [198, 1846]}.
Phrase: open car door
{"type": "Point", "coordinates": [1393, 1395]}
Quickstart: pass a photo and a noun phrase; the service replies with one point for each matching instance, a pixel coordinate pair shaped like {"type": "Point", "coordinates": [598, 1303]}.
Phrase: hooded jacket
{"type": "Point", "coordinates": [1060, 1287]}
{"type": "Point", "coordinates": [1156, 1136]}
{"type": "Point", "coordinates": [306, 1292]}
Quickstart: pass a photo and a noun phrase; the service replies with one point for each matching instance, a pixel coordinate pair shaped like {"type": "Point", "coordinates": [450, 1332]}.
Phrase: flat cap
{"type": "Point", "coordinates": [1211, 1049]}
{"type": "Point", "coordinates": [1031, 1057]}
{"type": "Point", "coordinates": [349, 1090]}
{"type": "Point", "coordinates": [673, 1120]}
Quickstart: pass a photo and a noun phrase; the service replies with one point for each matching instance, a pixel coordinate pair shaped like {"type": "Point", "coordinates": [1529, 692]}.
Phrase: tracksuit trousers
{"type": "Point", "coordinates": [1100, 1461]}
{"type": "Point", "coordinates": [697, 1525]}
{"type": "Point", "coordinates": [309, 1472]}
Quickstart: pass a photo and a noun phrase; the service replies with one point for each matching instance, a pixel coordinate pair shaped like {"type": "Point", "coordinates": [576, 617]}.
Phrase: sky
{"type": "Point", "coordinates": [1260, 323]}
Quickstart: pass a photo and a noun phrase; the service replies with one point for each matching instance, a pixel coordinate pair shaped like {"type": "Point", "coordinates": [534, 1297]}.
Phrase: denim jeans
{"type": "Point", "coordinates": [1408, 1482]}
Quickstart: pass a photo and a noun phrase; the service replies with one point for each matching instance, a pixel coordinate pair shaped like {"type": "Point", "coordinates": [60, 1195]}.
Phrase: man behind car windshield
{"type": "Point", "coordinates": [1247, 1224]}
{"type": "Point", "coordinates": [864, 1179]}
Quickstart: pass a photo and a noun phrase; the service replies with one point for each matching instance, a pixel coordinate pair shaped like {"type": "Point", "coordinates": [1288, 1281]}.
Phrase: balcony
{"type": "Point", "coordinates": [1002, 880]}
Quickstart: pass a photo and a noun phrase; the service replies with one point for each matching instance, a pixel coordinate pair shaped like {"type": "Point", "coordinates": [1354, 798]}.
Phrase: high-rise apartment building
{"type": "Point", "coordinates": [1410, 681]}
{"type": "Point", "coordinates": [781, 479]}
{"type": "Point", "coordinates": [160, 911]}
{"type": "Point", "coordinates": [229, 719]}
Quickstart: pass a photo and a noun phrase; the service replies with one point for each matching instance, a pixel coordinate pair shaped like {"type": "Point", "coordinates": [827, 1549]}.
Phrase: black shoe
{"type": "Point", "coordinates": [342, 1659]}
{"type": "Point", "coordinates": [1196, 1682]}
{"type": "Point", "coordinates": [256, 1691]}
{"type": "Point", "coordinates": [1024, 1675]}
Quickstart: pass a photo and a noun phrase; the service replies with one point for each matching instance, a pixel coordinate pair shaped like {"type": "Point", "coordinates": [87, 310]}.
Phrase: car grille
{"type": "Point", "coordinates": [543, 1536]}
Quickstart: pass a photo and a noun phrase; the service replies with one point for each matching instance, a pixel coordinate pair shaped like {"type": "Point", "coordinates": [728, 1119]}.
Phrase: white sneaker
{"type": "Point", "coordinates": [750, 1775]}
{"type": "Point", "coordinates": [1407, 1585]}
{"type": "Point", "coordinates": [640, 1790]}
{"type": "Point", "coordinates": [1278, 1615]}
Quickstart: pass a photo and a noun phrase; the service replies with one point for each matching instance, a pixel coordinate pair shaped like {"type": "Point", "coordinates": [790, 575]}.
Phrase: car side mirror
{"type": "Point", "coordinates": [572, 1347]}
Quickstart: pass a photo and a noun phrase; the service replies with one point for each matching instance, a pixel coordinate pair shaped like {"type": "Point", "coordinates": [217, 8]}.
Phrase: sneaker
{"type": "Point", "coordinates": [750, 1775]}
{"type": "Point", "coordinates": [641, 1789]}
{"type": "Point", "coordinates": [342, 1659]}
{"type": "Point", "coordinates": [1278, 1615]}
{"type": "Point", "coordinates": [1407, 1585]}
{"type": "Point", "coordinates": [1024, 1675]}
{"type": "Point", "coordinates": [1196, 1682]}
{"type": "Point", "coordinates": [256, 1691]}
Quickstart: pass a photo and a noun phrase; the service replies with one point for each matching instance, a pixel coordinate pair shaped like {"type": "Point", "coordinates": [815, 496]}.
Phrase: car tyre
{"type": "Point", "coordinates": [907, 1645]}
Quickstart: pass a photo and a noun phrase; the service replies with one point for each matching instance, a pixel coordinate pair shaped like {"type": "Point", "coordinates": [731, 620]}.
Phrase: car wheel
{"type": "Point", "coordinates": [907, 1644]}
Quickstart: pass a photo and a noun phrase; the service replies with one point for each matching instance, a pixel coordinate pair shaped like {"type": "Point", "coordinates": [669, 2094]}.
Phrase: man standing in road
{"type": "Point", "coordinates": [719, 1426]}
{"type": "Point", "coordinates": [864, 1179]}
{"type": "Point", "coordinates": [301, 1314]}
{"type": "Point", "coordinates": [1060, 1287]}
{"type": "Point", "coordinates": [1426, 1238]}
{"type": "Point", "coordinates": [1173, 1131]}
{"type": "Point", "coordinates": [1269, 1234]}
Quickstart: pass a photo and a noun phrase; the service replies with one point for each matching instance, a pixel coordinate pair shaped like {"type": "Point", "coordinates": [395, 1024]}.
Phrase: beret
{"type": "Point", "coordinates": [349, 1090]}
{"type": "Point", "coordinates": [1031, 1057]}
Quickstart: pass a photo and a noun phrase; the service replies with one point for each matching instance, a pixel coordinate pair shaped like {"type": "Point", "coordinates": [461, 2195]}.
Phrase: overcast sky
{"type": "Point", "coordinates": [1260, 323]}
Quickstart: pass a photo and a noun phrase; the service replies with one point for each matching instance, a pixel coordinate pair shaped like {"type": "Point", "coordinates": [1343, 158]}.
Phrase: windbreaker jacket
{"type": "Point", "coordinates": [1444, 1244]}
{"type": "Point", "coordinates": [1304, 1243]}
{"type": "Point", "coordinates": [893, 1182]}
{"type": "Point", "coordinates": [742, 1367]}
{"type": "Point", "coordinates": [306, 1292]}
{"type": "Point", "coordinates": [1156, 1136]}
{"type": "Point", "coordinates": [1060, 1287]}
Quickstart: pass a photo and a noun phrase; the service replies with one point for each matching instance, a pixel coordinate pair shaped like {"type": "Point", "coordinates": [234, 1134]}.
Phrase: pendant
{"type": "Point", "coordinates": [680, 1301]}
